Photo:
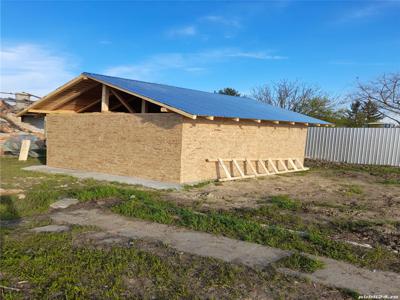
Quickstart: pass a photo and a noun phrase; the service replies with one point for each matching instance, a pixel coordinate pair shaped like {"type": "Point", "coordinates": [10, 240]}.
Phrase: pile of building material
{"type": "Point", "coordinates": [13, 131]}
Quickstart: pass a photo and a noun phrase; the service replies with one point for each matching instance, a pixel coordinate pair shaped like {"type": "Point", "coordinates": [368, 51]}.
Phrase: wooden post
{"type": "Point", "coordinates": [105, 99]}
{"type": "Point", "coordinates": [23, 154]}
{"type": "Point", "coordinates": [144, 106]}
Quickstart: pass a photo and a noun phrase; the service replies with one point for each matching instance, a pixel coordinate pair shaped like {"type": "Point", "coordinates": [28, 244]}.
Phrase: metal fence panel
{"type": "Point", "coordinates": [371, 146]}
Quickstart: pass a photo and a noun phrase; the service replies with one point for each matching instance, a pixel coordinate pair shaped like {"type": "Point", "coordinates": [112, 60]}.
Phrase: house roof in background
{"type": "Point", "coordinates": [201, 103]}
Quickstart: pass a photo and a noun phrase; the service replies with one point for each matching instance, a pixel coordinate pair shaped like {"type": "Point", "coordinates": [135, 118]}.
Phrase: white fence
{"type": "Point", "coordinates": [372, 146]}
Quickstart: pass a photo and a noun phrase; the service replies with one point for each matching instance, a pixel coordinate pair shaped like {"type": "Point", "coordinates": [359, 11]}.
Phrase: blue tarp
{"type": "Point", "coordinates": [205, 104]}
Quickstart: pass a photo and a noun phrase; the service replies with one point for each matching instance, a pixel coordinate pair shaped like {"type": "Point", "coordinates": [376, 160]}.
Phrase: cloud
{"type": "Point", "coordinates": [33, 68]}
{"type": "Point", "coordinates": [105, 42]}
{"type": "Point", "coordinates": [185, 31]}
{"type": "Point", "coordinates": [154, 67]}
{"type": "Point", "coordinates": [230, 22]}
{"type": "Point", "coordinates": [367, 12]}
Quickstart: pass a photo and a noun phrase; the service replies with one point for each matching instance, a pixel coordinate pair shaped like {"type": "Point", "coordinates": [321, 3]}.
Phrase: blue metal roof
{"type": "Point", "coordinates": [205, 104]}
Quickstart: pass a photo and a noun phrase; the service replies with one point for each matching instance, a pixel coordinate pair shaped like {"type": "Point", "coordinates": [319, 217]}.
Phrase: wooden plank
{"type": "Point", "coordinates": [238, 168]}
{"type": "Point", "coordinates": [283, 165]}
{"type": "Point", "coordinates": [164, 109]}
{"type": "Point", "coordinates": [211, 118]}
{"type": "Point", "coordinates": [275, 122]}
{"type": "Point", "coordinates": [236, 119]}
{"type": "Point", "coordinates": [228, 175]}
{"type": "Point", "coordinates": [263, 166]}
{"type": "Point", "coordinates": [257, 121]}
{"type": "Point", "coordinates": [251, 167]}
{"type": "Point", "coordinates": [88, 106]}
{"type": "Point", "coordinates": [290, 161]}
{"type": "Point", "coordinates": [24, 151]}
{"type": "Point", "coordinates": [273, 166]}
{"type": "Point", "coordinates": [46, 111]}
{"type": "Point", "coordinates": [123, 101]}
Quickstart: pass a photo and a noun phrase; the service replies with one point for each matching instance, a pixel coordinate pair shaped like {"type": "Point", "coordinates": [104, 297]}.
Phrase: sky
{"type": "Point", "coordinates": [205, 45]}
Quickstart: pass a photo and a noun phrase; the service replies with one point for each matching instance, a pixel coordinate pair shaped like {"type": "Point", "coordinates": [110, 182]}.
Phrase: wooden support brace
{"type": "Point", "coordinates": [88, 106]}
{"type": "Point", "coordinates": [144, 107]}
{"type": "Point", "coordinates": [290, 161]}
{"type": "Point", "coordinates": [238, 168]}
{"type": "Point", "coordinates": [251, 167]}
{"type": "Point", "coordinates": [105, 99]}
{"type": "Point", "coordinates": [123, 101]}
{"type": "Point", "coordinates": [263, 166]}
{"type": "Point", "coordinates": [273, 166]}
{"type": "Point", "coordinates": [228, 175]}
{"type": "Point", "coordinates": [283, 164]}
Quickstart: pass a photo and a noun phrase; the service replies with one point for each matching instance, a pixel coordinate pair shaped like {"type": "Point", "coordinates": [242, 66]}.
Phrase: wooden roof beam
{"type": "Point", "coordinates": [88, 106]}
{"type": "Point", "coordinates": [47, 111]}
{"type": "Point", "coordinates": [55, 92]}
{"type": "Point", "coordinates": [236, 119]}
{"type": "Point", "coordinates": [123, 101]}
{"type": "Point", "coordinates": [211, 118]}
{"type": "Point", "coordinates": [178, 111]}
{"type": "Point", "coordinates": [73, 96]}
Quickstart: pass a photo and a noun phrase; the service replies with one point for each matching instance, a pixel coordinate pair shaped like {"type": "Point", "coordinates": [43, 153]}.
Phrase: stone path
{"type": "Point", "coordinates": [335, 273]}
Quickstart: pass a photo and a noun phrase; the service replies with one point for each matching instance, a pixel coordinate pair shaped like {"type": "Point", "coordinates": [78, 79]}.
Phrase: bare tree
{"type": "Point", "coordinates": [384, 92]}
{"type": "Point", "coordinates": [298, 97]}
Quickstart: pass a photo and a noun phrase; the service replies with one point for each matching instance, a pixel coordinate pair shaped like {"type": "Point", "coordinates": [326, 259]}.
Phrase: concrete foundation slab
{"type": "Point", "coordinates": [104, 177]}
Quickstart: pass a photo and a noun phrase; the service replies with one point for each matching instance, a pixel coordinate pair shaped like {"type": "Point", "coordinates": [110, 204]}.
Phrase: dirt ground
{"type": "Point", "coordinates": [355, 205]}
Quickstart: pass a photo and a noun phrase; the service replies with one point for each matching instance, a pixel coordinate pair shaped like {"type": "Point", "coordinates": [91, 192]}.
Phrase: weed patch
{"type": "Point", "coordinates": [285, 202]}
{"type": "Point", "coordinates": [300, 262]}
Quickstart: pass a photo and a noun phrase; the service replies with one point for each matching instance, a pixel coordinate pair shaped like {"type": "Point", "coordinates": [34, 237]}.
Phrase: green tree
{"type": "Point", "coordinates": [229, 91]}
{"type": "Point", "coordinates": [371, 112]}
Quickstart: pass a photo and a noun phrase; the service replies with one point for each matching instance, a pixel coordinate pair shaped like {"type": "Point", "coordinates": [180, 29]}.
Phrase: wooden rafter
{"type": "Point", "coordinates": [55, 92]}
{"type": "Point", "coordinates": [88, 106]}
{"type": "Point", "coordinates": [178, 111]}
{"type": "Point", "coordinates": [123, 101]}
{"type": "Point", "coordinates": [73, 96]}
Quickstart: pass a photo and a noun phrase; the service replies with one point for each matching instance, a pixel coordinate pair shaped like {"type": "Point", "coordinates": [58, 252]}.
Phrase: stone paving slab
{"type": "Point", "coordinates": [51, 228]}
{"type": "Point", "coordinates": [335, 273]}
{"type": "Point", "coordinates": [105, 177]}
{"type": "Point", "coordinates": [64, 203]}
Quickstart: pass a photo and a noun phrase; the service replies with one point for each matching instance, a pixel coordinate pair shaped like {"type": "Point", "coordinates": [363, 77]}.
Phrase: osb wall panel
{"type": "Point", "coordinates": [202, 139]}
{"type": "Point", "coordinates": [140, 145]}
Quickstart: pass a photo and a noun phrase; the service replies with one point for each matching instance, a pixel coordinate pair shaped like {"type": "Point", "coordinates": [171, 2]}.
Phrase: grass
{"type": "Point", "coordinates": [352, 189]}
{"type": "Point", "coordinates": [188, 187]}
{"type": "Point", "coordinates": [58, 266]}
{"type": "Point", "coordinates": [149, 207]}
{"type": "Point", "coordinates": [284, 202]}
{"type": "Point", "coordinates": [300, 262]}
